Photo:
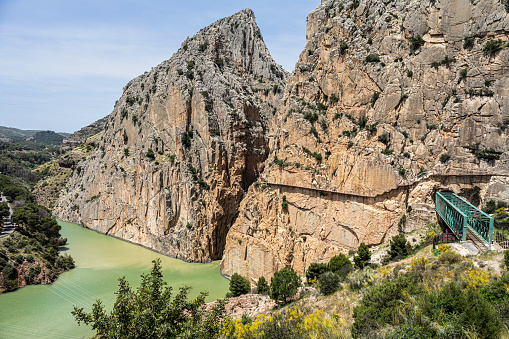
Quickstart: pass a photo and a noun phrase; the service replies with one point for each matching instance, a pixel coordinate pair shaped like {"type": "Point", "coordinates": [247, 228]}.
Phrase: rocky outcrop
{"type": "Point", "coordinates": [382, 93]}
{"type": "Point", "coordinates": [182, 145]}
{"type": "Point", "coordinates": [81, 136]}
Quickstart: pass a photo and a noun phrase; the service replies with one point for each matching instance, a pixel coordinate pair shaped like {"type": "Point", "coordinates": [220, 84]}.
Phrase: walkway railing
{"type": "Point", "coordinates": [402, 183]}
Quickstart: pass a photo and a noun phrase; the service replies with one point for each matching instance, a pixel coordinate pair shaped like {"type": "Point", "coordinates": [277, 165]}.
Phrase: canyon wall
{"type": "Point", "coordinates": [389, 102]}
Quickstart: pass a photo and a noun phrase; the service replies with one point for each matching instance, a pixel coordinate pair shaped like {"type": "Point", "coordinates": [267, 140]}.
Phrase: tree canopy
{"type": "Point", "coordinates": [151, 312]}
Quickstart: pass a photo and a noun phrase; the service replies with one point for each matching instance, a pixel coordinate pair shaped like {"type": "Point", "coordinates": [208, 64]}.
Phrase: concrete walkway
{"type": "Point", "coordinates": [8, 225]}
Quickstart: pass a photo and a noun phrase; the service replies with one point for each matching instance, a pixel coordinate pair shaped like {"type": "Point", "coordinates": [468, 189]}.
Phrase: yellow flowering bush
{"type": "Point", "coordinates": [316, 325]}
{"type": "Point", "coordinates": [476, 278]}
{"type": "Point", "coordinates": [443, 248]}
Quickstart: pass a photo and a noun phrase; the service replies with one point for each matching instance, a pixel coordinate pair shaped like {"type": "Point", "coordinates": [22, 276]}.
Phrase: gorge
{"type": "Point", "coordinates": [218, 153]}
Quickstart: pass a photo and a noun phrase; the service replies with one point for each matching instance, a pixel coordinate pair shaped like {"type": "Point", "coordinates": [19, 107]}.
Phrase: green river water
{"type": "Point", "coordinates": [44, 311]}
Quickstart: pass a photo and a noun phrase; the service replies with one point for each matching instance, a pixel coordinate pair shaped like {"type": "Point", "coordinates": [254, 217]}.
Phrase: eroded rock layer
{"type": "Point", "coordinates": [389, 102]}
{"type": "Point", "coordinates": [182, 145]}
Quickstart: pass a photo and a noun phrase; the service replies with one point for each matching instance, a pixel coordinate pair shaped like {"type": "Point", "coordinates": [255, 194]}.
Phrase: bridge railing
{"type": "Point", "coordinates": [451, 215]}
{"type": "Point", "coordinates": [459, 214]}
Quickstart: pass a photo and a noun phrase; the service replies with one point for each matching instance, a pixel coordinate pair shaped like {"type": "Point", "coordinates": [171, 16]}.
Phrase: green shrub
{"type": "Point", "coordinates": [378, 306]}
{"type": "Point", "coordinates": [363, 256]}
{"type": "Point", "coordinates": [313, 131]}
{"type": "Point", "coordinates": [284, 203]}
{"type": "Point", "coordinates": [384, 138]}
{"type": "Point", "coordinates": [374, 98]}
{"type": "Point", "coordinates": [416, 42]}
{"type": "Point", "coordinates": [186, 138]}
{"type": "Point", "coordinates": [150, 154]}
{"type": "Point", "coordinates": [454, 310]}
{"type": "Point", "coordinates": [315, 270]}
{"type": "Point", "coordinates": [311, 116]}
{"type": "Point", "coordinates": [468, 43]}
{"type": "Point", "coordinates": [493, 205]}
{"type": "Point", "coordinates": [399, 247]}
{"type": "Point", "coordinates": [329, 282]}
{"type": "Point", "coordinates": [340, 264]}
{"type": "Point", "coordinates": [239, 285]}
{"type": "Point", "coordinates": [333, 98]}
{"type": "Point", "coordinates": [444, 158]}
{"type": "Point", "coordinates": [450, 257]}
{"type": "Point", "coordinates": [343, 47]}
{"type": "Point", "coordinates": [497, 290]}
{"type": "Point", "coordinates": [506, 259]}
{"type": "Point", "coordinates": [262, 287]}
{"type": "Point", "coordinates": [463, 73]}
{"type": "Point", "coordinates": [284, 285]}
{"type": "Point", "coordinates": [492, 46]}
{"type": "Point", "coordinates": [372, 58]}
{"type": "Point", "coordinates": [65, 262]}
{"type": "Point", "coordinates": [19, 258]}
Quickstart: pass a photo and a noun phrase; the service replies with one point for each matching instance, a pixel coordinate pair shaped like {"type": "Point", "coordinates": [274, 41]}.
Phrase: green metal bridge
{"type": "Point", "coordinates": [464, 219]}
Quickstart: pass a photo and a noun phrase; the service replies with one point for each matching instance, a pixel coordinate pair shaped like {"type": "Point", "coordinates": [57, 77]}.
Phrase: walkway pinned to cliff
{"type": "Point", "coordinates": [402, 184]}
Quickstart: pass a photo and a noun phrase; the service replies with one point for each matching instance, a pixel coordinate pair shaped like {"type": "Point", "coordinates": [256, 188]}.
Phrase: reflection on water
{"type": "Point", "coordinates": [45, 311]}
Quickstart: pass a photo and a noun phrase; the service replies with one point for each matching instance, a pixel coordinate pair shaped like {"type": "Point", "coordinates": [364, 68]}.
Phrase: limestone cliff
{"type": "Point", "coordinates": [182, 145]}
{"type": "Point", "coordinates": [389, 102]}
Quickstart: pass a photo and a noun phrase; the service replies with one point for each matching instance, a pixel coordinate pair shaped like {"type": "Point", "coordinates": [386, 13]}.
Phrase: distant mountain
{"type": "Point", "coordinates": [10, 132]}
{"type": "Point", "coordinates": [16, 133]}
{"type": "Point", "coordinates": [47, 138]}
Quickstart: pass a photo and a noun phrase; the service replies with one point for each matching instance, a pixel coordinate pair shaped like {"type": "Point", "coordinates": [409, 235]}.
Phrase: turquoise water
{"type": "Point", "coordinates": [44, 311]}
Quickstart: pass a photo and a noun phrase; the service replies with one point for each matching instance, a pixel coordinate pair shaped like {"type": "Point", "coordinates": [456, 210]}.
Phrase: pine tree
{"type": "Point", "coordinates": [363, 256]}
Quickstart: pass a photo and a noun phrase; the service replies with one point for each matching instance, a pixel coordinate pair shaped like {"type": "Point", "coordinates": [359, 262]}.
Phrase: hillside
{"type": "Point", "coordinates": [15, 133]}
{"type": "Point", "coordinates": [11, 132]}
{"type": "Point", "coordinates": [47, 138]}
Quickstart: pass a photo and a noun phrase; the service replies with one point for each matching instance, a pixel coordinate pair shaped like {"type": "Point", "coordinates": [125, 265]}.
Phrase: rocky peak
{"type": "Point", "coordinates": [182, 145]}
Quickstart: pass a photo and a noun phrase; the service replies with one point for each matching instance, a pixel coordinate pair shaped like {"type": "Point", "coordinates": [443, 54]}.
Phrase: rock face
{"type": "Point", "coordinates": [389, 102]}
{"type": "Point", "coordinates": [182, 145]}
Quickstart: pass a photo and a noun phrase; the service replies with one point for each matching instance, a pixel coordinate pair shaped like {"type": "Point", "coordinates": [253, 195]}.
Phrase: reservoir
{"type": "Point", "coordinates": [44, 311]}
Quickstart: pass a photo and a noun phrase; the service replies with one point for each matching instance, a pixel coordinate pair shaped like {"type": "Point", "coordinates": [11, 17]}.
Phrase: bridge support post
{"type": "Point", "coordinates": [490, 233]}
{"type": "Point", "coordinates": [464, 233]}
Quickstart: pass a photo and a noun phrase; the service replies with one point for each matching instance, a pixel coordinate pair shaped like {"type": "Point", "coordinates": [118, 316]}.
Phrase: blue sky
{"type": "Point", "coordinates": [63, 63]}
